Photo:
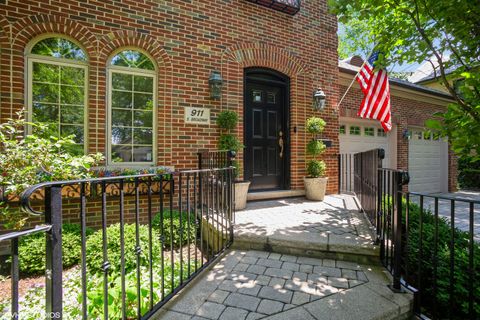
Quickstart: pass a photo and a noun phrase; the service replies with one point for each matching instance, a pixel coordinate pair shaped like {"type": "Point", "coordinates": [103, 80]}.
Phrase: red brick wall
{"type": "Point", "coordinates": [187, 40]}
{"type": "Point", "coordinates": [405, 113]}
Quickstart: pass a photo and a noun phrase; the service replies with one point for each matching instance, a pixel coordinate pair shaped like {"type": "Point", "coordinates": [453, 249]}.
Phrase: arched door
{"type": "Point", "coordinates": [266, 129]}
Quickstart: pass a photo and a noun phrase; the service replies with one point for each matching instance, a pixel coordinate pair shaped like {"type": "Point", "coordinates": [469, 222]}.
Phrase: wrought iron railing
{"type": "Point", "coordinates": [429, 243]}
{"type": "Point", "coordinates": [208, 159]}
{"type": "Point", "coordinates": [190, 224]}
{"type": "Point", "coordinates": [288, 6]}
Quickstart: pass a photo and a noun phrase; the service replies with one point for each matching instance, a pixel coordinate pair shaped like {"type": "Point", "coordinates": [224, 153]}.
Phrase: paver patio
{"type": "Point", "coordinates": [333, 228]}
{"type": "Point", "coordinates": [265, 285]}
{"type": "Point", "coordinates": [314, 260]}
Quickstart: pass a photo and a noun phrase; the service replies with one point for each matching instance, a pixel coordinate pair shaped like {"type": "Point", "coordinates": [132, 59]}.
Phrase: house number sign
{"type": "Point", "coordinates": [197, 115]}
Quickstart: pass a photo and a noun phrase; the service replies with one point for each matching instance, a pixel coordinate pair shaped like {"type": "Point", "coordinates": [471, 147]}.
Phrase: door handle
{"type": "Point", "coordinates": [280, 143]}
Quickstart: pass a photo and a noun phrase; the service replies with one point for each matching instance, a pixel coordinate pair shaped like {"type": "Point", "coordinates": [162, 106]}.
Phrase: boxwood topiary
{"type": "Point", "coordinates": [31, 249]}
{"type": "Point", "coordinates": [227, 120]}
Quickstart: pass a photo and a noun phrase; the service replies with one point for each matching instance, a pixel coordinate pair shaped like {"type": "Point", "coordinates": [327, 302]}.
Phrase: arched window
{"type": "Point", "coordinates": [132, 96]}
{"type": "Point", "coordinates": [57, 87]}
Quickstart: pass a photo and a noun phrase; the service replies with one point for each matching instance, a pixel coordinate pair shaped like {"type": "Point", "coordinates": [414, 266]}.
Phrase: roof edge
{"type": "Point", "coordinates": [404, 84]}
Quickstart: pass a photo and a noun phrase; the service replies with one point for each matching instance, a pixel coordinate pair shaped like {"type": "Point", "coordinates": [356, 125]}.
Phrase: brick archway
{"type": "Point", "coordinates": [255, 54]}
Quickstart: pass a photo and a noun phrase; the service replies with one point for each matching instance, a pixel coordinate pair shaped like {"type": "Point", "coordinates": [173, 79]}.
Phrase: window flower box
{"type": "Point", "coordinates": [290, 7]}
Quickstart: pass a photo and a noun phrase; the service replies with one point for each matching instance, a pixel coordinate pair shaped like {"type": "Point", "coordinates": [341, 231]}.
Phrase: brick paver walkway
{"type": "Point", "coordinates": [257, 284]}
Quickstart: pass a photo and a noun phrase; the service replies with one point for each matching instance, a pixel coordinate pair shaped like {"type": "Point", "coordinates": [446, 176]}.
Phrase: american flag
{"type": "Point", "coordinates": [376, 101]}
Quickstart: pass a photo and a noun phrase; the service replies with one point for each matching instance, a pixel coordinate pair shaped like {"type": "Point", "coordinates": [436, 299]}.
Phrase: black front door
{"type": "Point", "coordinates": [265, 132]}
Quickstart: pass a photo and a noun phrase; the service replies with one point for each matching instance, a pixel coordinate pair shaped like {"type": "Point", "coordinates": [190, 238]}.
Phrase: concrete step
{"type": "Point", "coordinates": [333, 229]}
{"type": "Point", "coordinates": [277, 194]}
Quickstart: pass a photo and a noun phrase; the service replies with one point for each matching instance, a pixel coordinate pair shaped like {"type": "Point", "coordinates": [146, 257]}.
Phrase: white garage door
{"type": "Point", "coordinates": [427, 163]}
{"type": "Point", "coordinates": [358, 137]}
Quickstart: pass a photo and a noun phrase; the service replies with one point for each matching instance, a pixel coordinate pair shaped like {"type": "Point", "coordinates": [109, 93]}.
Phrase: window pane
{"type": "Point", "coordinates": [381, 133]}
{"type": "Point", "coordinates": [143, 84]}
{"type": "Point", "coordinates": [342, 129]}
{"type": "Point", "coordinates": [143, 119]}
{"type": "Point", "coordinates": [133, 59]}
{"type": "Point", "coordinates": [43, 72]}
{"type": "Point", "coordinates": [59, 48]}
{"type": "Point", "coordinates": [72, 76]}
{"type": "Point", "coordinates": [45, 92]}
{"type": "Point", "coordinates": [142, 136]}
{"type": "Point", "coordinates": [121, 135]}
{"type": "Point", "coordinates": [369, 132]}
{"type": "Point", "coordinates": [72, 95]}
{"type": "Point", "coordinates": [122, 81]}
{"type": "Point", "coordinates": [121, 118]}
{"type": "Point", "coordinates": [72, 115]}
{"type": "Point", "coordinates": [122, 153]}
{"type": "Point", "coordinates": [75, 130]}
{"type": "Point", "coordinates": [143, 101]}
{"type": "Point", "coordinates": [355, 131]}
{"type": "Point", "coordinates": [121, 99]}
{"type": "Point", "coordinates": [45, 112]}
{"type": "Point", "coordinates": [142, 154]}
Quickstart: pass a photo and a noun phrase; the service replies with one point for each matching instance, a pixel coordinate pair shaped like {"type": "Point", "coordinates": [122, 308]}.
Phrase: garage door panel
{"type": "Point", "coordinates": [426, 166]}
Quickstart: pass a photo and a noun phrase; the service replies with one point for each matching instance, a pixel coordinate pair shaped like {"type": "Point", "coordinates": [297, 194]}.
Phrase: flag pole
{"type": "Point", "coordinates": [351, 83]}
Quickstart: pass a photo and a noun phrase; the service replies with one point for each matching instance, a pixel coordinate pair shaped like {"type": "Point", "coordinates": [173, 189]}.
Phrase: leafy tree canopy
{"type": "Point", "coordinates": [444, 32]}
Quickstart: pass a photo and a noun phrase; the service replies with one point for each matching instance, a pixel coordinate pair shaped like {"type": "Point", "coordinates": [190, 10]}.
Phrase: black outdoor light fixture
{"type": "Point", "coordinates": [319, 100]}
{"type": "Point", "coordinates": [215, 83]}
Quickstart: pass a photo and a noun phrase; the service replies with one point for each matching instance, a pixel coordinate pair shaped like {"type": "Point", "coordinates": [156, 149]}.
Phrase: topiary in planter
{"type": "Point", "coordinates": [315, 186]}
{"type": "Point", "coordinates": [227, 120]}
{"type": "Point", "coordinates": [315, 167]}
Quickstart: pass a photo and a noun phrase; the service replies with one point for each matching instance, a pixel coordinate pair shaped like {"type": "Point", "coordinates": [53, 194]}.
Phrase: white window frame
{"type": "Point", "coordinates": [31, 58]}
{"type": "Point", "coordinates": [139, 72]}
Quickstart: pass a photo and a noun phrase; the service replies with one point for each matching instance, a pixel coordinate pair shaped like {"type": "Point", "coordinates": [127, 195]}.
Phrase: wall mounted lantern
{"type": "Point", "coordinates": [407, 134]}
{"type": "Point", "coordinates": [319, 100]}
{"type": "Point", "coordinates": [215, 83]}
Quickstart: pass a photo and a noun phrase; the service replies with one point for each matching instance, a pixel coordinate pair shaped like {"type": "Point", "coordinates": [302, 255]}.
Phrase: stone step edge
{"type": "Point", "coordinates": [299, 251]}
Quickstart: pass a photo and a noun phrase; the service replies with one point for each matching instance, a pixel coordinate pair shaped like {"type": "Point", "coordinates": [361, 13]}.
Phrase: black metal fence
{"type": "Point", "coordinates": [209, 159]}
{"type": "Point", "coordinates": [428, 242]}
{"type": "Point", "coordinates": [179, 224]}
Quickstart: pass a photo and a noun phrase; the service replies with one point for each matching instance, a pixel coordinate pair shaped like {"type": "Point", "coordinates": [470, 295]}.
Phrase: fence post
{"type": "Point", "coordinates": [199, 155]}
{"type": "Point", "coordinates": [401, 178]}
{"type": "Point", "coordinates": [53, 273]}
{"type": "Point", "coordinates": [230, 157]}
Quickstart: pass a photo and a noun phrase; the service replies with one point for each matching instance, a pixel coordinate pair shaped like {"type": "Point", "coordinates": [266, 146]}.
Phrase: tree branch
{"type": "Point", "coordinates": [467, 108]}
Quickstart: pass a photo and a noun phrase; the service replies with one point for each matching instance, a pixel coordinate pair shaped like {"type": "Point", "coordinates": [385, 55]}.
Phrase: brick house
{"type": "Point", "coordinates": [122, 74]}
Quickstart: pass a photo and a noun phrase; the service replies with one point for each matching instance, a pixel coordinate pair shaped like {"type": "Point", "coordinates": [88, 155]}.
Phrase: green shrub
{"type": "Point", "coordinates": [315, 125]}
{"type": "Point", "coordinates": [315, 147]}
{"type": "Point", "coordinates": [172, 220]}
{"type": "Point", "coordinates": [31, 249]}
{"type": "Point", "coordinates": [227, 120]}
{"type": "Point", "coordinates": [229, 141]}
{"type": "Point", "coordinates": [461, 257]}
{"type": "Point", "coordinates": [95, 248]}
{"type": "Point", "coordinates": [468, 174]}
{"type": "Point", "coordinates": [316, 168]}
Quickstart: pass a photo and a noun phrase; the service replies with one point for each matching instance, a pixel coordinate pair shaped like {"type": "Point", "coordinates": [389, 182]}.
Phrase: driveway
{"type": "Point", "coordinates": [462, 209]}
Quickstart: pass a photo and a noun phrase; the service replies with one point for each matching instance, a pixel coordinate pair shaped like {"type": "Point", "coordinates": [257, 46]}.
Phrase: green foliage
{"type": "Point", "coordinates": [229, 141]}
{"type": "Point", "coordinates": [28, 159]}
{"type": "Point", "coordinates": [227, 120]}
{"type": "Point", "coordinates": [315, 147]}
{"type": "Point", "coordinates": [437, 31]}
{"type": "Point", "coordinates": [316, 168]}
{"type": "Point", "coordinates": [31, 249]}
{"type": "Point", "coordinates": [181, 232]}
{"type": "Point", "coordinates": [95, 248]}
{"type": "Point", "coordinates": [469, 174]}
{"type": "Point", "coordinates": [427, 267]}
{"type": "Point", "coordinates": [315, 125]}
